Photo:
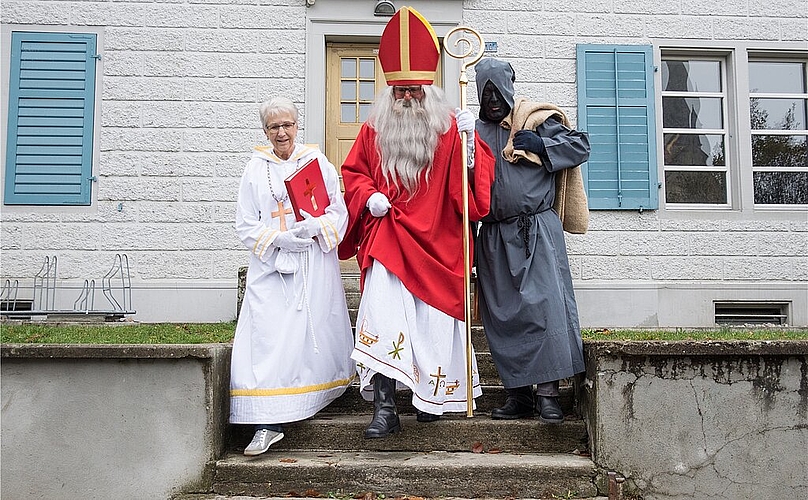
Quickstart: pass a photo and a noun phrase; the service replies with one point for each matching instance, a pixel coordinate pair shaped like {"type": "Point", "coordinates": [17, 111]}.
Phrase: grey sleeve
{"type": "Point", "coordinates": [563, 147]}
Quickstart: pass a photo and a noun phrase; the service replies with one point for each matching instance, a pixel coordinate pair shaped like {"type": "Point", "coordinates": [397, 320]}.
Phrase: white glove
{"type": "Point", "coordinates": [287, 240]}
{"type": "Point", "coordinates": [308, 227]}
{"type": "Point", "coordinates": [465, 122]}
{"type": "Point", "coordinates": [378, 204]}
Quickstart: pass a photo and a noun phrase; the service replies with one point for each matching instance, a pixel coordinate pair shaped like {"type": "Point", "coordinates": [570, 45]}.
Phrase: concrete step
{"type": "Point", "coordinates": [214, 496]}
{"type": "Point", "coordinates": [452, 433]}
{"type": "Point", "coordinates": [487, 369]}
{"type": "Point", "coordinates": [454, 458]}
{"type": "Point", "coordinates": [493, 397]}
{"type": "Point", "coordinates": [406, 473]}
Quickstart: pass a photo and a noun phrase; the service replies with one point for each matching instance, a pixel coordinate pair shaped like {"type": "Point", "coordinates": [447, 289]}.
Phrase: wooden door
{"type": "Point", "coordinates": [354, 76]}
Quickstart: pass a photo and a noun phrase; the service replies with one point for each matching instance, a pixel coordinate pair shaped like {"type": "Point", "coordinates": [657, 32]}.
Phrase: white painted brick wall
{"type": "Point", "coordinates": [686, 268]}
{"type": "Point", "coordinates": [180, 89]}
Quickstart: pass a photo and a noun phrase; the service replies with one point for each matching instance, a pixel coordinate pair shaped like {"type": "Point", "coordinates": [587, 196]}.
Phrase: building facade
{"type": "Point", "coordinates": [127, 124]}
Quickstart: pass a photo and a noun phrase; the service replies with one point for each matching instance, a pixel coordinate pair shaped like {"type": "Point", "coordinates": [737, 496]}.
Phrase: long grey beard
{"type": "Point", "coordinates": [407, 141]}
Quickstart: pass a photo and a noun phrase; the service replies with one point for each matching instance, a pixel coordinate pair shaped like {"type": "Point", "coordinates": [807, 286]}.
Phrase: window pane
{"type": "Point", "coordinates": [777, 77]}
{"type": "Point", "coordinates": [348, 68]}
{"type": "Point", "coordinates": [692, 112]}
{"type": "Point", "coordinates": [691, 76]}
{"type": "Point", "coordinates": [364, 111]}
{"type": "Point", "coordinates": [781, 188]}
{"type": "Point", "coordinates": [777, 114]}
{"type": "Point", "coordinates": [780, 151]}
{"type": "Point", "coordinates": [347, 91]}
{"type": "Point", "coordinates": [694, 150]}
{"type": "Point", "coordinates": [367, 68]}
{"type": "Point", "coordinates": [367, 91]}
{"type": "Point", "coordinates": [696, 187]}
{"type": "Point", "coordinates": [347, 113]}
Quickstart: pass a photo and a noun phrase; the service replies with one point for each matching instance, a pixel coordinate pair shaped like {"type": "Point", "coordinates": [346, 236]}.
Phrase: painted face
{"type": "Point", "coordinates": [493, 107]}
{"type": "Point", "coordinates": [281, 130]}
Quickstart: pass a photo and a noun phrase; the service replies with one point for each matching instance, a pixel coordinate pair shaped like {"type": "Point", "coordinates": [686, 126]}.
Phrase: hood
{"type": "Point", "coordinates": [500, 73]}
{"type": "Point", "coordinates": [266, 152]}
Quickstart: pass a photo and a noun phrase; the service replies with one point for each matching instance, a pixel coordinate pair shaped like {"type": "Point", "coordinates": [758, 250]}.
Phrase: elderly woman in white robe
{"type": "Point", "coordinates": [291, 352]}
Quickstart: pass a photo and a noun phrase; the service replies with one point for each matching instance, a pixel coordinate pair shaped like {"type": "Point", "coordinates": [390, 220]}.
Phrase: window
{"type": "Point", "coordinates": [616, 108]}
{"type": "Point", "coordinates": [732, 132]}
{"type": "Point", "coordinates": [694, 131]}
{"type": "Point", "coordinates": [357, 88]}
{"type": "Point", "coordinates": [49, 142]}
{"type": "Point", "coordinates": [778, 108]}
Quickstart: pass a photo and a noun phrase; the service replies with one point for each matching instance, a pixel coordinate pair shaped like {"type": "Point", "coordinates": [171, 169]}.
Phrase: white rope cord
{"type": "Point", "coordinates": [305, 299]}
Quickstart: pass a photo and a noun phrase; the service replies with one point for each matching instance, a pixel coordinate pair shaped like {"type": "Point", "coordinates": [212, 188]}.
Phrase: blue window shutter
{"type": "Point", "coordinates": [50, 119]}
{"type": "Point", "coordinates": [616, 108]}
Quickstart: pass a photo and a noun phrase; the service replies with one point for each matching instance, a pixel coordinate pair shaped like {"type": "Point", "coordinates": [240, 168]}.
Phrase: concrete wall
{"type": "Point", "coordinates": [180, 85]}
{"type": "Point", "coordinates": [103, 422]}
{"type": "Point", "coordinates": [700, 420]}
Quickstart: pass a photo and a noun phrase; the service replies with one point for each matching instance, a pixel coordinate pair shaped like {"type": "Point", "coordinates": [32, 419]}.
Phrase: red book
{"type": "Point", "coordinates": [307, 190]}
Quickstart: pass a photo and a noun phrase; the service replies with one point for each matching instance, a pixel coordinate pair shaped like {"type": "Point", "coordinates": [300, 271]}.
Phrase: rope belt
{"type": "Point", "coordinates": [524, 221]}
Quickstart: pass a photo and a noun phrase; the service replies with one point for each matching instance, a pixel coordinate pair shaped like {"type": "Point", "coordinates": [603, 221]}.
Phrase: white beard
{"type": "Point", "coordinates": [407, 135]}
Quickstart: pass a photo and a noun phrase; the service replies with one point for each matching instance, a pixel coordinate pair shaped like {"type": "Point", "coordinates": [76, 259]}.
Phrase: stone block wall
{"type": "Point", "coordinates": [179, 88]}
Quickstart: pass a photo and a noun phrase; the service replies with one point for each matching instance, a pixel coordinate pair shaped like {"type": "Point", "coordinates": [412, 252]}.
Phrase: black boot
{"type": "Point", "coordinates": [385, 419]}
{"type": "Point", "coordinates": [519, 404]}
{"type": "Point", "coordinates": [423, 416]}
{"type": "Point", "coordinates": [550, 411]}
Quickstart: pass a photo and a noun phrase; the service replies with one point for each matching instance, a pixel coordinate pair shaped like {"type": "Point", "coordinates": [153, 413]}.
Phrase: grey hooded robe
{"type": "Point", "coordinates": [527, 302]}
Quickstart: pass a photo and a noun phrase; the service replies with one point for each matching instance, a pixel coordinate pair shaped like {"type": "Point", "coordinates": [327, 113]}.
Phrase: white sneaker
{"type": "Point", "coordinates": [263, 439]}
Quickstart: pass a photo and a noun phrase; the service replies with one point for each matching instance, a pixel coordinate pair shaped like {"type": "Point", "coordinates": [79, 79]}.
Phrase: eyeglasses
{"type": "Point", "coordinates": [402, 91]}
{"type": "Point", "coordinates": [274, 129]}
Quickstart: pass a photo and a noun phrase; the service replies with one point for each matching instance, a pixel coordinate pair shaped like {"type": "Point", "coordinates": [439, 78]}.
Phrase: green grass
{"type": "Point", "coordinates": [679, 334]}
{"type": "Point", "coordinates": [204, 333]}
{"type": "Point", "coordinates": [118, 333]}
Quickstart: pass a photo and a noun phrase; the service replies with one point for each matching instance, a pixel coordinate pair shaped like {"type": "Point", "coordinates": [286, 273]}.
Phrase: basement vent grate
{"type": "Point", "coordinates": [16, 305]}
{"type": "Point", "coordinates": [751, 313]}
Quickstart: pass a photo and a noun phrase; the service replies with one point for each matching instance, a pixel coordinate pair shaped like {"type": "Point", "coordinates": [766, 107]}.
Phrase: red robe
{"type": "Point", "coordinates": [420, 240]}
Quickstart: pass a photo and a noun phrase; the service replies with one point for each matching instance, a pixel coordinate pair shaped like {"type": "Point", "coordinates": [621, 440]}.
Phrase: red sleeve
{"type": "Point", "coordinates": [482, 180]}
{"type": "Point", "coordinates": [359, 185]}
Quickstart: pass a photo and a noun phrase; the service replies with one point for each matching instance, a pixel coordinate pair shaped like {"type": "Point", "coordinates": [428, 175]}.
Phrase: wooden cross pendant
{"type": "Point", "coordinates": [282, 214]}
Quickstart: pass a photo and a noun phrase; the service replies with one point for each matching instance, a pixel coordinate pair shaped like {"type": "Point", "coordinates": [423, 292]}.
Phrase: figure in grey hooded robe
{"type": "Point", "coordinates": [527, 303]}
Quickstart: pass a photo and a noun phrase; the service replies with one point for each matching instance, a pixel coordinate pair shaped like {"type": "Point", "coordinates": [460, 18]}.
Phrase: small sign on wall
{"type": "Point", "coordinates": [490, 47]}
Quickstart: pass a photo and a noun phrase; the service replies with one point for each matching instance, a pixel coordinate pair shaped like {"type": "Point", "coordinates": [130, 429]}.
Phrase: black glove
{"type": "Point", "coordinates": [527, 140]}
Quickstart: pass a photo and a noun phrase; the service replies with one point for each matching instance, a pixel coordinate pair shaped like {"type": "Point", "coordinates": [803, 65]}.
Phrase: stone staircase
{"type": "Point", "coordinates": [456, 456]}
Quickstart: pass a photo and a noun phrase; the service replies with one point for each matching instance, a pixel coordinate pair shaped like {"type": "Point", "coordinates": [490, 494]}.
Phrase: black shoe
{"type": "Point", "coordinates": [519, 404]}
{"type": "Point", "coordinates": [549, 410]}
{"type": "Point", "coordinates": [423, 416]}
{"type": "Point", "coordinates": [385, 419]}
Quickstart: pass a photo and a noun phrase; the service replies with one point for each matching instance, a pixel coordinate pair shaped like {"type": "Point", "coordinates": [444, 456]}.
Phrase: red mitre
{"type": "Point", "coordinates": [409, 50]}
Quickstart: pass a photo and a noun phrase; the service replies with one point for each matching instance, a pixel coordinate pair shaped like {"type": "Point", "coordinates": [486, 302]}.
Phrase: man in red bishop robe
{"type": "Point", "coordinates": [403, 189]}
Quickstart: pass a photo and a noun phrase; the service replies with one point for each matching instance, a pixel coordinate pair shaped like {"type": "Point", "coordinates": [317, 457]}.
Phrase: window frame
{"type": "Point", "coordinates": [753, 57]}
{"type": "Point", "coordinates": [5, 66]}
{"type": "Point", "coordinates": [736, 54]}
{"type": "Point", "coordinates": [724, 131]}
